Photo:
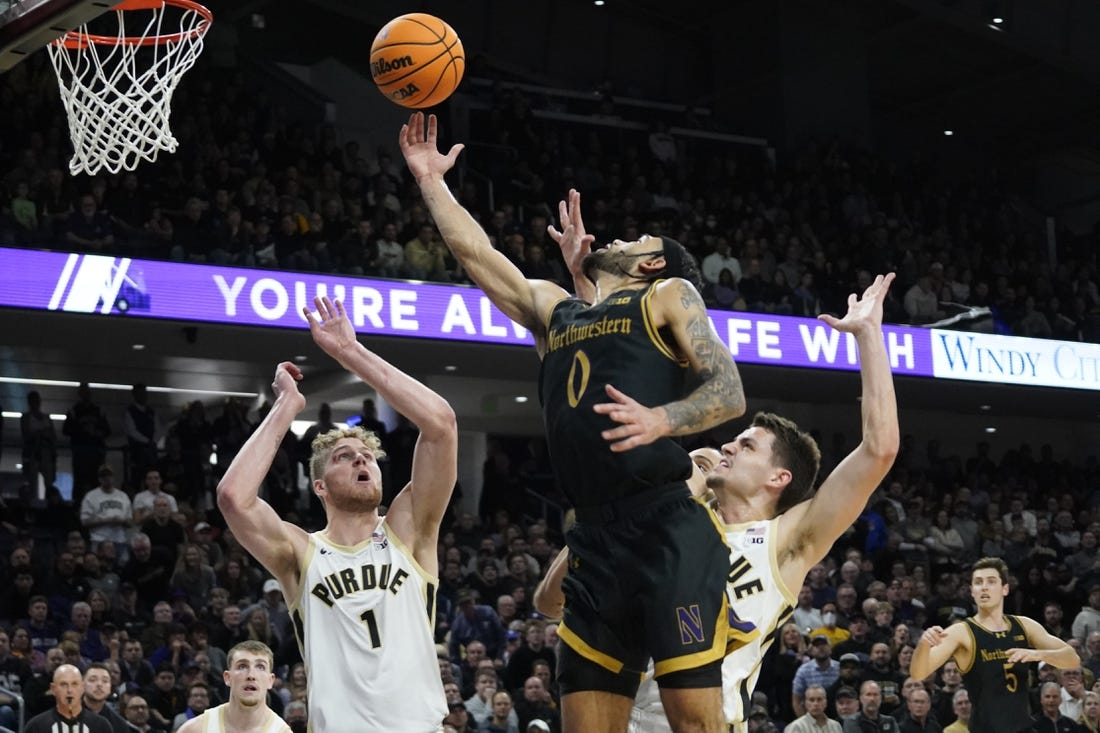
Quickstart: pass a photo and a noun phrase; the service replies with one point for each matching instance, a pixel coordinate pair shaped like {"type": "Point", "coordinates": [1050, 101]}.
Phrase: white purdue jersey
{"type": "Point", "coordinates": [364, 618]}
{"type": "Point", "coordinates": [213, 721]}
{"type": "Point", "coordinates": [759, 604]}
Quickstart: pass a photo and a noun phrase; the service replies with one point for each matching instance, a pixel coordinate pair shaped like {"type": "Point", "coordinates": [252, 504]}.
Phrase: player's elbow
{"type": "Point", "coordinates": [230, 500]}
{"type": "Point", "coordinates": [442, 422]}
{"type": "Point", "coordinates": [882, 447]}
{"type": "Point", "coordinates": [919, 669]}
{"type": "Point", "coordinates": [736, 405]}
{"type": "Point", "coordinates": [546, 605]}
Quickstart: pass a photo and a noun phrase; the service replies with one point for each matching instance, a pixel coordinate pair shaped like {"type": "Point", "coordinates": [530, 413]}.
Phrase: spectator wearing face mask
{"type": "Point", "coordinates": [829, 628]}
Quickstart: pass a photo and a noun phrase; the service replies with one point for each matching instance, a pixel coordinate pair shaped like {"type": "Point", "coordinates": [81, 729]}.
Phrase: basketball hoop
{"type": "Point", "coordinates": [118, 101]}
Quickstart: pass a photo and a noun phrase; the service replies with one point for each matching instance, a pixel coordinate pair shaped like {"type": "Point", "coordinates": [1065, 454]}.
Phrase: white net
{"type": "Point", "coordinates": [117, 90]}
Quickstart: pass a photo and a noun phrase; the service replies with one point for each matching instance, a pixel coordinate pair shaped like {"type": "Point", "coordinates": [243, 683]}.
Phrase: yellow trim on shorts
{"type": "Point", "coordinates": [580, 646]}
{"type": "Point", "coordinates": [722, 633]}
{"type": "Point", "coordinates": [653, 332]}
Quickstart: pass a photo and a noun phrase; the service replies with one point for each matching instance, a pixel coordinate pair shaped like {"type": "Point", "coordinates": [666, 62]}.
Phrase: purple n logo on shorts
{"type": "Point", "coordinates": [691, 625]}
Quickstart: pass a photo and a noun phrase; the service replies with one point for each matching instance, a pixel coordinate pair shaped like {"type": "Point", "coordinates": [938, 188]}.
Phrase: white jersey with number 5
{"type": "Point", "coordinates": [364, 618]}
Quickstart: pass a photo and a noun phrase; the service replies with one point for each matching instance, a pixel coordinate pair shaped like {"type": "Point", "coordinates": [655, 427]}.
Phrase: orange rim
{"type": "Point", "coordinates": [74, 40]}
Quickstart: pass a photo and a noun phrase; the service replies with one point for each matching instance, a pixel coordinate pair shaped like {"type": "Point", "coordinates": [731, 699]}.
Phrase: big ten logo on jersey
{"type": "Point", "coordinates": [738, 582]}
{"type": "Point", "coordinates": [335, 586]}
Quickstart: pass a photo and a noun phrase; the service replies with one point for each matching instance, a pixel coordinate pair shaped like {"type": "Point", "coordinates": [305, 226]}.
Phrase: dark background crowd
{"type": "Point", "coordinates": [254, 185]}
{"type": "Point", "coordinates": [139, 571]}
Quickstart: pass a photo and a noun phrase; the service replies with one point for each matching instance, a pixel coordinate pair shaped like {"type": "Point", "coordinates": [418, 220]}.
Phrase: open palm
{"type": "Point", "coordinates": [420, 145]}
{"type": "Point", "coordinates": [331, 329]}
{"type": "Point", "coordinates": [865, 312]}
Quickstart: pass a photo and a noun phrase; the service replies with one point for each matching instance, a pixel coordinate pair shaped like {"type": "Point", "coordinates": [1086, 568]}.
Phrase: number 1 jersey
{"type": "Point", "coordinates": [364, 618]}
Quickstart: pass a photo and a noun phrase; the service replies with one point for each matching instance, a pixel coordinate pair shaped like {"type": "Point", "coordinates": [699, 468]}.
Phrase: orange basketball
{"type": "Point", "coordinates": [417, 60]}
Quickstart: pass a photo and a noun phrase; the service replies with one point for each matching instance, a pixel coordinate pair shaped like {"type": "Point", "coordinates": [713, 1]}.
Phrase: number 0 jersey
{"type": "Point", "coordinates": [588, 347]}
{"type": "Point", "coordinates": [364, 618]}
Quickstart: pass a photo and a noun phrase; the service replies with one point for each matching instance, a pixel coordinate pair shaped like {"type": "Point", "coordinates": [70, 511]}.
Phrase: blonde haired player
{"type": "Point", "coordinates": [248, 675]}
{"type": "Point", "coordinates": [361, 592]}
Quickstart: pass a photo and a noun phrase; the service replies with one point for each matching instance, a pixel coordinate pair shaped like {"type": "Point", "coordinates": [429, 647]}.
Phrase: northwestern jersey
{"type": "Point", "coordinates": [364, 617]}
{"type": "Point", "coordinates": [998, 689]}
{"type": "Point", "coordinates": [759, 604]}
{"type": "Point", "coordinates": [588, 347]}
{"type": "Point", "coordinates": [213, 721]}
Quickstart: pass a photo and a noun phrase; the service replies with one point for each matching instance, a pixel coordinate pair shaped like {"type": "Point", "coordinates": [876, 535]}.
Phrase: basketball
{"type": "Point", "coordinates": [417, 60]}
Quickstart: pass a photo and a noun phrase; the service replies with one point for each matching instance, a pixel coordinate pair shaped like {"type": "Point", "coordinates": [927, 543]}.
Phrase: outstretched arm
{"type": "Point", "coordinates": [575, 243]}
{"type": "Point", "coordinates": [417, 511]}
{"type": "Point", "coordinates": [720, 395]}
{"type": "Point", "coordinates": [527, 302]}
{"type": "Point", "coordinates": [809, 529]}
{"type": "Point", "coordinates": [1048, 648]}
{"type": "Point", "coordinates": [254, 523]}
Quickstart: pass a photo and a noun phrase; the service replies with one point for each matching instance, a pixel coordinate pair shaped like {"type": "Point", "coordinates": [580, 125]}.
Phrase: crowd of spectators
{"type": "Point", "coordinates": [251, 186]}
{"type": "Point", "coordinates": [141, 573]}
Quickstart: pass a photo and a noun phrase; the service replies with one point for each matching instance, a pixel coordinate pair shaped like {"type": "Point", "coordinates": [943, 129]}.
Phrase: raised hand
{"type": "Point", "coordinates": [865, 312]}
{"type": "Point", "coordinates": [419, 145]}
{"type": "Point", "coordinates": [331, 329]}
{"type": "Point", "coordinates": [574, 242]}
{"type": "Point", "coordinates": [287, 376]}
{"type": "Point", "coordinates": [641, 425]}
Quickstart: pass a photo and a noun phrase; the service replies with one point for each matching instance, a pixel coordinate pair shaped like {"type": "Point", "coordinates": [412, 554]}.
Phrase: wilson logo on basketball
{"type": "Point", "coordinates": [385, 66]}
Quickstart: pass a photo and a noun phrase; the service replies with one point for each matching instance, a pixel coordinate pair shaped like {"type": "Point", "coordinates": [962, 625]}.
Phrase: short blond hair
{"type": "Point", "coordinates": [251, 646]}
{"type": "Point", "coordinates": [324, 443]}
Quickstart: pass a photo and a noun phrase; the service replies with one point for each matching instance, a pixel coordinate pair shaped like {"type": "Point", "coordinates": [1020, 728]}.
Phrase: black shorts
{"type": "Point", "coordinates": [647, 580]}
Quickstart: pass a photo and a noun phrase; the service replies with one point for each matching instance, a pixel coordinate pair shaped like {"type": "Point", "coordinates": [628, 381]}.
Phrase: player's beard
{"type": "Point", "coordinates": [605, 260]}
{"type": "Point", "coordinates": [354, 500]}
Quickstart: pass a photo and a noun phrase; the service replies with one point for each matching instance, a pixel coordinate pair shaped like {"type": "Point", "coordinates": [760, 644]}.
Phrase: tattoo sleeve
{"type": "Point", "coordinates": [721, 396]}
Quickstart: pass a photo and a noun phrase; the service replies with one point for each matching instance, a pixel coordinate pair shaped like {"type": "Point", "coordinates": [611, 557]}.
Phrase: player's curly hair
{"type": "Point", "coordinates": [794, 450]}
{"type": "Point", "coordinates": [323, 444]}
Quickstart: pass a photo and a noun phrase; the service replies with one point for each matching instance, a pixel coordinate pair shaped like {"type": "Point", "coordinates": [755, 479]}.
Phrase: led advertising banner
{"type": "Point", "coordinates": [129, 288]}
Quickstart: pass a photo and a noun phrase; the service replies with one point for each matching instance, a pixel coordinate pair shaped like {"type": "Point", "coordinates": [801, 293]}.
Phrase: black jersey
{"type": "Point", "coordinates": [589, 346]}
{"type": "Point", "coordinates": [998, 689]}
{"type": "Point", "coordinates": [52, 721]}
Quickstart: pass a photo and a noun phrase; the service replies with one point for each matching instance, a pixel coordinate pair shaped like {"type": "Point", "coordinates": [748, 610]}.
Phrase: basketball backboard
{"type": "Point", "coordinates": [28, 25]}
